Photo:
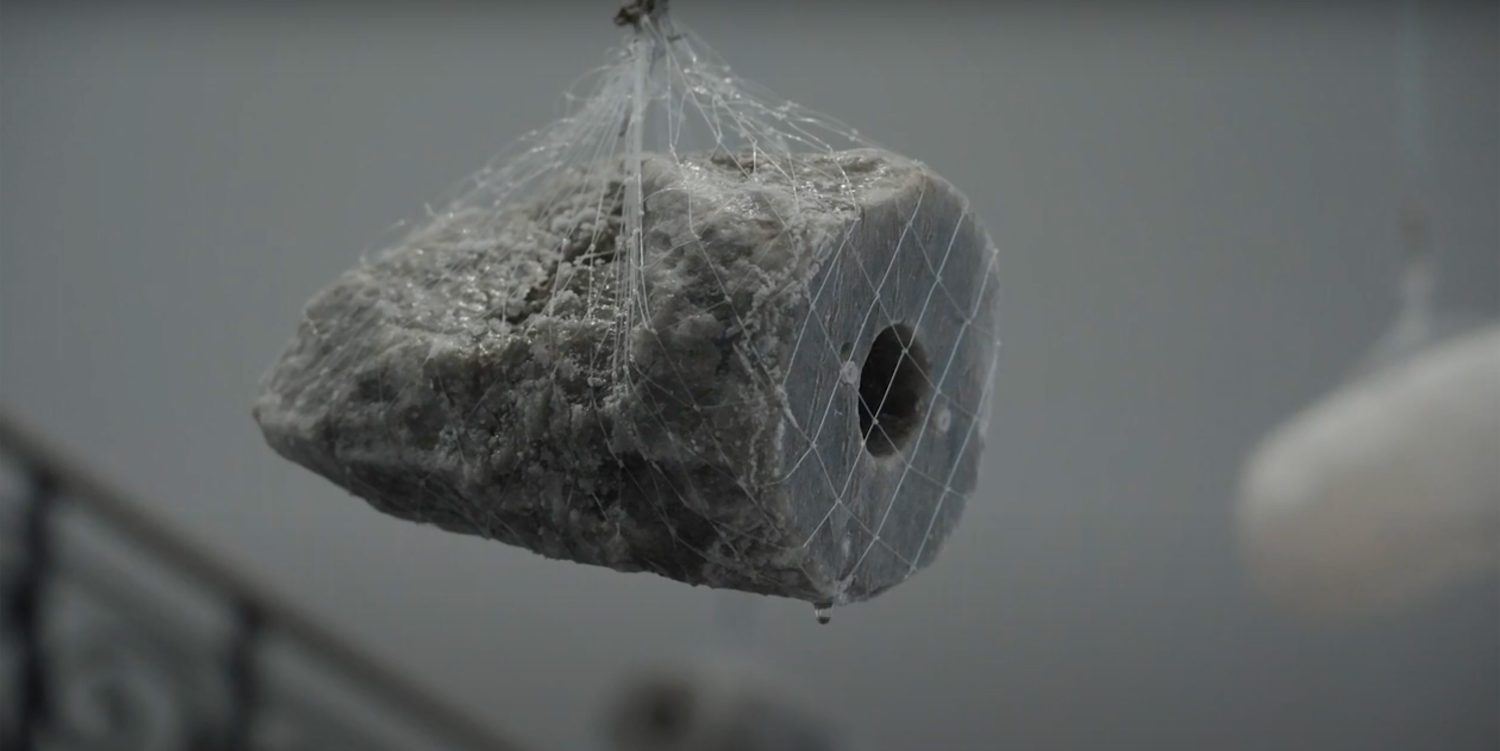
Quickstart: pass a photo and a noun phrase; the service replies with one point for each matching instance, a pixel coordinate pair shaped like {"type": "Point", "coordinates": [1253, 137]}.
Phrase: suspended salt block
{"type": "Point", "coordinates": [1385, 491]}
{"type": "Point", "coordinates": [780, 388]}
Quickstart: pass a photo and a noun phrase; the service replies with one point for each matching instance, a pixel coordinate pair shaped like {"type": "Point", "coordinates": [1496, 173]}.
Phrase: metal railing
{"type": "Point", "coordinates": [118, 634]}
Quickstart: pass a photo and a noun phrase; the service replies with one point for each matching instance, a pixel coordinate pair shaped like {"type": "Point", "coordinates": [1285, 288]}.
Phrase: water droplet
{"type": "Point", "coordinates": [942, 419]}
{"type": "Point", "coordinates": [823, 611]}
{"type": "Point", "coordinates": [849, 372]}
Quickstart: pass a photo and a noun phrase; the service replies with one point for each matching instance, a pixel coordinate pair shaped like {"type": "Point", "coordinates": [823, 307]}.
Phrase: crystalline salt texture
{"type": "Point", "coordinates": [753, 369]}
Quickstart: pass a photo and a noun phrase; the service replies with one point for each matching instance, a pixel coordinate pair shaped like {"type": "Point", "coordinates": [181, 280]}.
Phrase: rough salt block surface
{"type": "Point", "coordinates": [484, 377]}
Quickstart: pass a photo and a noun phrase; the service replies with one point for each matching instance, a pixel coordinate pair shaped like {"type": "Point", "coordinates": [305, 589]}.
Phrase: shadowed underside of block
{"type": "Point", "coordinates": [779, 390]}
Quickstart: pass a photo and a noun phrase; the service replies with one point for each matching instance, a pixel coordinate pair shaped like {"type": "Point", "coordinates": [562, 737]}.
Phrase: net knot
{"type": "Point", "coordinates": [634, 12]}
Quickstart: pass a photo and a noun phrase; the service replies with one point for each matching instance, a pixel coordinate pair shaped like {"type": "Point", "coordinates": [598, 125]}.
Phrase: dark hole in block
{"type": "Point", "coordinates": [893, 388]}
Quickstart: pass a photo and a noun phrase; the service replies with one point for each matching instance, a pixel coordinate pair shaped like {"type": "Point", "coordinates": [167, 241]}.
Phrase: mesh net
{"type": "Point", "coordinates": [688, 328]}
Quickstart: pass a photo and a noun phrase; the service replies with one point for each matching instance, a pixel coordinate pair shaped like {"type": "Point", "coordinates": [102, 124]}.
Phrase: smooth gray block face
{"type": "Point", "coordinates": [693, 409]}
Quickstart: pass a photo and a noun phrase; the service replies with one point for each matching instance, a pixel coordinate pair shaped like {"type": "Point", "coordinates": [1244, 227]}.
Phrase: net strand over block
{"type": "Point", "coordinates": [689, 328]}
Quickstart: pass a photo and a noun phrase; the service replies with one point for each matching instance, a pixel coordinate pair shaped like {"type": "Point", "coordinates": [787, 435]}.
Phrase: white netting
{"type": "Point", "coordinates": [688, 328]}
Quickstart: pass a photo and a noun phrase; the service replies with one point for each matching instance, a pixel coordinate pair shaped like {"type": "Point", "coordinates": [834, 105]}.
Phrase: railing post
{"type": "Point", "coordinates": [25, 598]}
{"type": "Point", "coordinates": [243, 676]}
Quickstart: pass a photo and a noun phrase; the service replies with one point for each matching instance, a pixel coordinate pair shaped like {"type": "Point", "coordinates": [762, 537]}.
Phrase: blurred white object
{"type": "Point", "coordinates": [1386, 490]}
{"type": "Point", "coordinates": [718, 707]}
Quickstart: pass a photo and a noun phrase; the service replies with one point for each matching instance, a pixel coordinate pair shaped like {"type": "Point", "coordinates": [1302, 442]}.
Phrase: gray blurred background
{"type": "Point", "coordinates": [1196, 209]}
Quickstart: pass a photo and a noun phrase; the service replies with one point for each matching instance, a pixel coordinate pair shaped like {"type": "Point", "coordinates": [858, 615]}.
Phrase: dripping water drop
{"type": "Point", "coordinates": [823, 611]}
